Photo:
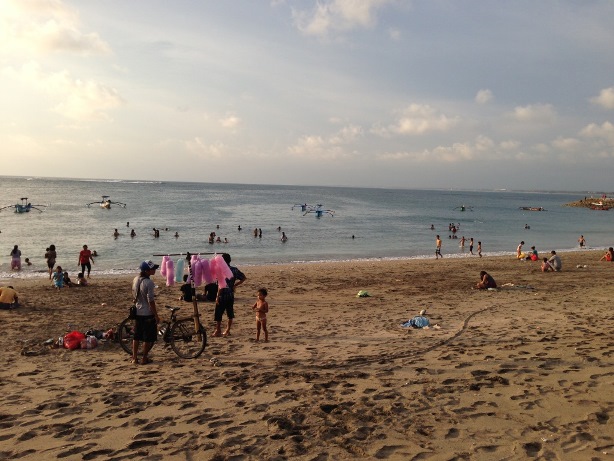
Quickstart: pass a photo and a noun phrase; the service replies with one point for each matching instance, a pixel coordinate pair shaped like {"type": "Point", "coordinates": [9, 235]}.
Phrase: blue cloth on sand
{"type": "Point", "coordinates": [418, 321]}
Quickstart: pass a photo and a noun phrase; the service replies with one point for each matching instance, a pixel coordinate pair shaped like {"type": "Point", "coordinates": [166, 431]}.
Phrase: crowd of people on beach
{"type": "Point", "coordinates": [213, 237]}
{"type": "Point", "coordinates": [59, 277]}
{"type": "Point", "coordinates": [453, 228]}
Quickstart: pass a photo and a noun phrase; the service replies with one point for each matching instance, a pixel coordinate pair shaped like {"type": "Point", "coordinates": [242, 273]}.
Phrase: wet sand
{"type": "Point", "coordinates": [524, 372]}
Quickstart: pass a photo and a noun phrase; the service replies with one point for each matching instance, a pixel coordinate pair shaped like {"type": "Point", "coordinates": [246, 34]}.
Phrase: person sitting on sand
{"type": "Point", "coordinates": [609, 255]}
{"type": "Point", "coordinates": [210, 292]}
{"type": "Point", "coordinates": [58, 278]}
{"type": "Point", "coordinates": [81, 280]}
{"type": "Point", "coordinates": [486, 281]}
{"type": "Point", "coordinates": [546, 267]}
{"type": "Point", "coordinates": [555, 261]}
{"type": "Point", "coordinates": [533, 255]}
{"type": "Point", "coordinates": [69, 283]}
{"type": "Point", "coordinates": [9, 299]}
{"type": "Point", "coordinates": [186, 290]}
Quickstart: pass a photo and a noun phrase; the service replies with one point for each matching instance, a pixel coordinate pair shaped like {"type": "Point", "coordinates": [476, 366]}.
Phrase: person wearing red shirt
{"type": "Point", "coordinates": [85, 260]}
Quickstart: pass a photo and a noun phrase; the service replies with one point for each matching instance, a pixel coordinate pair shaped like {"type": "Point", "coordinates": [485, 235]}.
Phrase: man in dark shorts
{"type": "Point", "coordinates": [85, 260]}
{"type": "Point", "coordinates": [225, 299]}
{"type": "Point", "coordinates": [146, 323]}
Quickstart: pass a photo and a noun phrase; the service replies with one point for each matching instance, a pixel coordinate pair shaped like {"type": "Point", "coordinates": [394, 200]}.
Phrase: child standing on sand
{"type": "Point", "coordinates": [261, 307]}
{"type": "Point", "coordinates": [438, 248]}
{"type": "Point", "coordinates": [58, 278]}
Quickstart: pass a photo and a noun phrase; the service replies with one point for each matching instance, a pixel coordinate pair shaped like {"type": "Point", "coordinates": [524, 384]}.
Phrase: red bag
{"type": "Point", "coordinates": [73, 339]}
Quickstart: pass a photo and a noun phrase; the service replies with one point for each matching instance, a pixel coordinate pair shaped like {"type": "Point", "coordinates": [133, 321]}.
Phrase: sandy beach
{"type": "Point", "coordinates": [523, 372]}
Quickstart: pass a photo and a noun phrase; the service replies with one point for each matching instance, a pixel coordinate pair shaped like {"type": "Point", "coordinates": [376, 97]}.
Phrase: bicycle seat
{"type": "Point", "coordinates": [172, 309]}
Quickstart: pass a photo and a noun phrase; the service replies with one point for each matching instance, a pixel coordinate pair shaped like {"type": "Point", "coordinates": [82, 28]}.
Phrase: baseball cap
{"type": "Point", "coordinates": [148, 266]}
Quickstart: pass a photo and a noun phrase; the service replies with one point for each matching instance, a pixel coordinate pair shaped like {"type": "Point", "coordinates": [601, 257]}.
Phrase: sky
{"type": "Point", "coordinates": [453, 94]}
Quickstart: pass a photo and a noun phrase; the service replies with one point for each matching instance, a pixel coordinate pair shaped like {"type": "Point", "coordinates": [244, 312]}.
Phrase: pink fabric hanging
{"type": "Point", "coordinates": [163, 266]}
{"type": "Point", "coordinates": [170, 273]}
{"type": "Point", "coordinates": [197, 272]}
{"type": "Point", "coordinates": [205, 268]}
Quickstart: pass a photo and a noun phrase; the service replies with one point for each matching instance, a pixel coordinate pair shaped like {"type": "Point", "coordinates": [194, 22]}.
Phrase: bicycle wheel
{"type": "Point", "coordinates": [125, 335]}
{"type": "Point", "coordinates": [185, 341]}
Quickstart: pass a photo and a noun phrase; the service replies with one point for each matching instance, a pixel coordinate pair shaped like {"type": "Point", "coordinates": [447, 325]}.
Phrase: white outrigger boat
{"type": "Point", "coordinates": [106, 203]}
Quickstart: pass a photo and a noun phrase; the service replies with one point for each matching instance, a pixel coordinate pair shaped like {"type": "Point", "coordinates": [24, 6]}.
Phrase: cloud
{"type": "Point", "coordinates": [542, 113]}
{"type": "Point", "coordinates": [483, 96]}
{"type": "Point", "coordinates": [455, 153]}
{"type": "Point", "coordinates": [80, 100]}
{"type": "Point", "coordinates": [34, 26]}
{"type": "Point", "coordinates": [394, 34]}
{"type": "Point", "coordinates": [605, 98]}
{"type": "Point", "coordinates": [418, 119]}
{"type": "Point", "coordinates": [327, 148]}
{"type": "Point", "coordinates": [509, 145]}
{"type": "Point", "coordinates": [230, 121]}
{"type": "Point", "coordinates": [338, 15]}
{"type": "Point", "coordinates": [604, 132]}
{"type": "Point", "coordinates": [566, 144]}
{"type": "Point", "coordinates": [197, 147]}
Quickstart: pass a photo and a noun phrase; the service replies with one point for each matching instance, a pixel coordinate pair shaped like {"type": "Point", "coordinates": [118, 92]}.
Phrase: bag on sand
{"type": "Point", "coordinates": [89, 342]}
{"type": "Point", "coordinates": [73, 339]}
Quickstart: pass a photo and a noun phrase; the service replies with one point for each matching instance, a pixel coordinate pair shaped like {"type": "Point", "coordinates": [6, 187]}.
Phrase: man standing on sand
{"type": "Point", "coordinates": [224, 302]}
{"type": "Point", "coordinates": [85, 260]}
{"type": "Point", "coordinates": [438, 248]}
{"type": "Point", "coordinates": [147, 319]}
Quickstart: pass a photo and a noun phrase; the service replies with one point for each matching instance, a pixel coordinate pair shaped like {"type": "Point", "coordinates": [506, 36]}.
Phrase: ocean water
{"type": "Point", "coordinates": [385, 223]}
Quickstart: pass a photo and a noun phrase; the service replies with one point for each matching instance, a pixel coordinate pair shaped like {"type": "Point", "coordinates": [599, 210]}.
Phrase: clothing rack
{"type": "Point", "coordinates": [188, 256]}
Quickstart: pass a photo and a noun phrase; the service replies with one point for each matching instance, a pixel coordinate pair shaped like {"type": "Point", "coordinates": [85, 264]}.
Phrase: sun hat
{"type": "Point", "coordinates": [148, 266]}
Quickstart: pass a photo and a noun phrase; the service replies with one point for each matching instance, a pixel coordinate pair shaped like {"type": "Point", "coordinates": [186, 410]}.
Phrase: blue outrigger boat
{"type": "Point", "coordinates": [24, 206]}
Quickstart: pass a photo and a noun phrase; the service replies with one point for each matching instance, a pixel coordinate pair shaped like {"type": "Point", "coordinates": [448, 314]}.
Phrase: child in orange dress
{"type": "Point", "coordinates": [261, 307]}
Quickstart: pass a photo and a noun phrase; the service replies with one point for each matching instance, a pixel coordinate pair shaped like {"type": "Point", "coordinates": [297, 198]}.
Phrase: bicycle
{"type": "Point", "coordinates": [179, 334]}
